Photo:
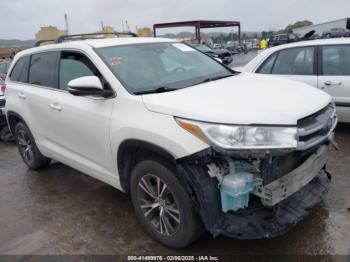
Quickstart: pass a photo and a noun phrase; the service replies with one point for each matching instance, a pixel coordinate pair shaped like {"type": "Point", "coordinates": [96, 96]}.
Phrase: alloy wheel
{"type": "Point", "coordinates": [158, 205]}
{"type": "Point", "coordinates": [25, 146]}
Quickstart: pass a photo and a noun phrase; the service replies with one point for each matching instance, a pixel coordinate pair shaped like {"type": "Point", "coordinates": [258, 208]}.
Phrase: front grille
{"type": "Point", "coordinates": [317, 127]}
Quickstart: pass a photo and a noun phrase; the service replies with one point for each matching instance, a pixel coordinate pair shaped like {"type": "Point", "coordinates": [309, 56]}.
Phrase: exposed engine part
{"type": "Point", "coordinates": [235, 189]}
{"type": "Point", "coordinates": [235, 184]}
{"type": "Point", "coordinates": [215, 170]}
{"type": "Point", "coordinates": [255, 221]}
{"type": "Point", "coordinates": [290, 183]}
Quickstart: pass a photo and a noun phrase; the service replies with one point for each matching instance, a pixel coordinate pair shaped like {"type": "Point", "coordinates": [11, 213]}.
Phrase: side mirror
{"type": "Point", "coordinates": [88, 86]}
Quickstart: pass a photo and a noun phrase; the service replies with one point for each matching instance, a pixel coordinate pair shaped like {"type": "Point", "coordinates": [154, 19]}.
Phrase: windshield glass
{"type": "Point", "coordinates": [150, 66]}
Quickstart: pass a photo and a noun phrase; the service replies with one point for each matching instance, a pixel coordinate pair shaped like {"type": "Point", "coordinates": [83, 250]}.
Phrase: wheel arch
{"type": "Point", "coordinates": [131, 151]}
{"type": "Point", "coordinates": [12, 119]}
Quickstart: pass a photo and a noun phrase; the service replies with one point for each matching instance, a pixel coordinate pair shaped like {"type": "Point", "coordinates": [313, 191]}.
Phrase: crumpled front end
{"type": "Point", "coordinates": [266, 215]}
{"type": "Point", "coordinates": [254, 193]}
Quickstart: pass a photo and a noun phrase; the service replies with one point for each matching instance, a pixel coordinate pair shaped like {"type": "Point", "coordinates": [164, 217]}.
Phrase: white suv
{"type": "Point", "coordinates": [194, 143]}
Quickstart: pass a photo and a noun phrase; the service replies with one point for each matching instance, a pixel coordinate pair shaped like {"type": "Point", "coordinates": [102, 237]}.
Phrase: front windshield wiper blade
{"type": "Point", "coordinates": [161, 89]}
{"type": "Point", "coordinates": [209, 79]}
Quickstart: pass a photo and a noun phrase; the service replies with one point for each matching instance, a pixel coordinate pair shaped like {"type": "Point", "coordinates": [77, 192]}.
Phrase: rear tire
{"type": "Point", "coordinates": [28, 149]}
{"type": "Point", "coordinates": [162, 204]}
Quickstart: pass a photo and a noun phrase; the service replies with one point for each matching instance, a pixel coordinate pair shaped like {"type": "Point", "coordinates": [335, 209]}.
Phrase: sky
{"type": "Point", "coordinates": [23, 18]}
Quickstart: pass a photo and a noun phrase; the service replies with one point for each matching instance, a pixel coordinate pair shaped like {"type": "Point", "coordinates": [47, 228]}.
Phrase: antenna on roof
{"type": "Point", "coordinates": [66, 21]}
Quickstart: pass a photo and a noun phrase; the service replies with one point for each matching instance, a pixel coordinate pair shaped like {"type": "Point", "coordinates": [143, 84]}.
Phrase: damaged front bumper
{"type": "Point", "coordinates": [275, 205]}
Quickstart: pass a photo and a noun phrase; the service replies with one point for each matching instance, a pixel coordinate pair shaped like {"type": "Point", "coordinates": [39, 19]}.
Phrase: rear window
{"type": "Point", "coordinates": [20, 70]}
{"type": "Point", "coordinates": [43, 69]}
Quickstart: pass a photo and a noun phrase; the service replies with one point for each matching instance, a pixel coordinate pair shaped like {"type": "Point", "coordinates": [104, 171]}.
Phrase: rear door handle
{"type": "Point", "coordinates": [21, 95]}
{"type": "Point", "coordinates": [330, 83]}
{"type": "Point", "coordinates": [55, 107]}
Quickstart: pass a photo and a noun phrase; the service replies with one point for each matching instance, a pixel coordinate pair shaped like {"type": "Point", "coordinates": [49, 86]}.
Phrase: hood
{"type": "Point", "coordinates": [242, 99]}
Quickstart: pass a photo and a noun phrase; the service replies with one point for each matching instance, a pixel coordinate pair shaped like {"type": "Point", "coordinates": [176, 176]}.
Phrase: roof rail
{"type": "Point", "coordinates": [38, 43]}
{"type": "Point", "coordinates": [63, 38]}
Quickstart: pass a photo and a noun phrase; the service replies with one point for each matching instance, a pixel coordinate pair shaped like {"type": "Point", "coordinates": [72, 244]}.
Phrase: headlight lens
{"type": "Point", "coordinates": [242, 137]}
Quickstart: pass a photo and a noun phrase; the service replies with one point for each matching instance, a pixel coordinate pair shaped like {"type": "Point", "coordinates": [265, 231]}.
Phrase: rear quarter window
{"type": "Point", "coordinates": [19, 72]}
{"type": "Point", "coordinates": [42, 69]}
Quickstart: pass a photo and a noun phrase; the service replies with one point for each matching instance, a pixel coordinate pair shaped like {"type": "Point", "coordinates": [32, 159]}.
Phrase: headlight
{"type": "Point", "coordinates": [242, 137]}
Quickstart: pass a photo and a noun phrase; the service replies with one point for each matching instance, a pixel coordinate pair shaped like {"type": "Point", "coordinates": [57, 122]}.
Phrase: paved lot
{"type": "Point", "coordinates": [61, 211]}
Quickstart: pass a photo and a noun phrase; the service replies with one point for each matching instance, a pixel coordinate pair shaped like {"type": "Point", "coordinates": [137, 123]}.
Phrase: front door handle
{"type": "Point", "coordinates": [330, 83]}
{"type": "Point", "coordinates": [21, 95]}
{"type": "Point", "coordinates": [56, 107]}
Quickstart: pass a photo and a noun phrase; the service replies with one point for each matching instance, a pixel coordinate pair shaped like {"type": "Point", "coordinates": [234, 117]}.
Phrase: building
{"type": "Point", "coordinates": [144, 32]}
{"type": "Point", "coordinates": [320, 28]}
{"type": "Point", "coordinates": [49, 33]}
{"type": "Point", "coordinates": [107, 29]}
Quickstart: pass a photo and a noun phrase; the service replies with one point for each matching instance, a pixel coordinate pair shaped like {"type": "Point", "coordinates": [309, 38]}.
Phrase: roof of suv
{"type": "Point", "coordinates": [98, 43]}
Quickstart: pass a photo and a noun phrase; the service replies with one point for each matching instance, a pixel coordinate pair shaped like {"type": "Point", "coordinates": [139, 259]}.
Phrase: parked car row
{"type": "Point", "coordinates": [223, 54]}
{"type": "Point", "coordinates": [282, 39]}
{"type": "Point", "coordinates": [193, 142]}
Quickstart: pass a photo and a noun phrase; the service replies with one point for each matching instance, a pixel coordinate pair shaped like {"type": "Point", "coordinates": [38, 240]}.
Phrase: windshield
{"type": "Point", "coordinates": [151, 66]}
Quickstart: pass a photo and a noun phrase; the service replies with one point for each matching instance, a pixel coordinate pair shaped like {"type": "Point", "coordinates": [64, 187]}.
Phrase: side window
{"type": "Point", "coordinates": [74, 65]}
{"type": "Point", "coordinates": [295, 61]}
{"type": "Point", "coordinates": [7, 66]}
{"type": "Point", "coordinates": [2, 68]}
{"type": "Point", "coordinates": [266, 67]}
{"type": "Point", "coordinates": [20, 70]}
{"type": "Point", "coordinates": [43, 69]}
{"type": "Point", "coordinates": [335, 60]}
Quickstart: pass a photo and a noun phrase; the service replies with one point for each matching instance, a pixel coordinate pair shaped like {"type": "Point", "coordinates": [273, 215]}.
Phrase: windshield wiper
{"type": "Point", "coordinates": [161, 89]}
{"type": "Point", "coordinates": [209, 79]}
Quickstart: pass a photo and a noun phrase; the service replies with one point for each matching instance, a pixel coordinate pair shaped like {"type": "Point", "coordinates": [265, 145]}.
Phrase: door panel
{"type": "Point", "coordinates": [32, 102]}
{"type": "Point", "coordinates": [83, 123]}
{"type": "Point", "coordinates": [82, 126]}
{"type": "Point", "coordinates": [310, 80]}
{"type": "Point", "coordinates": [334, 77]}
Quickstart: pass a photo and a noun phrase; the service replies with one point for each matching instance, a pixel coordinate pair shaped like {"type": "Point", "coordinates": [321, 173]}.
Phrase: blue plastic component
{"type": "Point", "coordinates": [235, 189]}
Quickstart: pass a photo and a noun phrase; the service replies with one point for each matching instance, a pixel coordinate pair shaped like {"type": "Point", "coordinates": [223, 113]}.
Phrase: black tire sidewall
{"type": "Point", "coordinates": [189, 225]}
{"type": "Point", "coordinates": [39, 160]}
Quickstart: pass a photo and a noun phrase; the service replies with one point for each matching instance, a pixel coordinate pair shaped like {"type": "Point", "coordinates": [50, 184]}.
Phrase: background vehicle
{"type": "Point", "coordinates": [282, 39]}
{"type": "Point", "coordinates": [334, 32]}
{"type": "Point", "coordinates": [221, 53]}
{"type": "Point", "coordinates": [4, 66]}
{"type": "Point", "coordinates": [297, 61]}
{"type": "Point", "coordinates": [236, 49]}
{"type": "Point", "coordinates": [193, 142]}
{"type": "Point", "coordinates": [5, 134]}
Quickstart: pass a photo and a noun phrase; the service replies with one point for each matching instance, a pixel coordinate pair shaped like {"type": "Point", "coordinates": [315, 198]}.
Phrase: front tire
{"type": "Point", "coordinates": [28, 149]}
{"type": "Point", "coordinates": [162, 204]}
